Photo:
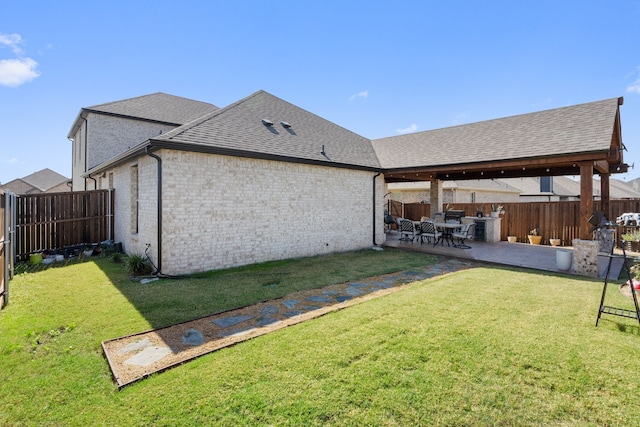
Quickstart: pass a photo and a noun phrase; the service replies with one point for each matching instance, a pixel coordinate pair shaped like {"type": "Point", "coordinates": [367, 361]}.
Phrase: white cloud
{"type": "Point", "coordinates": [13, 41]}
{"type": "Point", "coordinates": [362, 94]}
{"type": "Point", "coordinates": [412, 128]}
{"type": "Point", "coordinates": [14, 72]}
{"type": "Point", "coordinates": [635, 86]}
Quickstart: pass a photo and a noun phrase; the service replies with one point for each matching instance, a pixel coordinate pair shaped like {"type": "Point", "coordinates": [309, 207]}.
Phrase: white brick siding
{"type": "Point", "coordinates": [221, 211]}
{"type": "Point", "coordinates": [107, 137]}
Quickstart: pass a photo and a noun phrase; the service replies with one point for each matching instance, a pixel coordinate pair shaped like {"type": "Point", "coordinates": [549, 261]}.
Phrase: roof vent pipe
{"type": "Point", "coordinates": [267, 122]}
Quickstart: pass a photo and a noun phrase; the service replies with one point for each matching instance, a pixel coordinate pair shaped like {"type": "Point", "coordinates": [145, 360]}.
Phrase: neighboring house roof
{"type": "Point", "coordinates": [18, 186]}
{"type": "Point", "coordinates": [583, 128]}
{"type": "Point", "coordinates": [617, 189]}
{"type": "Point", "coordinates": [37, 182]}
{"type": "Point", "coordinates": [635, 184]}
{"type": "Point", "coordinates": [295, 135]}
{"type": "Point", "coordinates": [530, 186]}
{"type": "Point", "coordinates": [566, 187]}
{"type": "Point", "coordinates": [526, 186]}
{"type": "Point", "coordinates": [492, 185]}
{"type": "Point", "coordinates": [156, 107]}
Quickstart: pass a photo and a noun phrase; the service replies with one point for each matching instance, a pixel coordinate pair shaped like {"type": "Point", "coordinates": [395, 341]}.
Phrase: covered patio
{"type": "Point", "coordinates": [583, 140]}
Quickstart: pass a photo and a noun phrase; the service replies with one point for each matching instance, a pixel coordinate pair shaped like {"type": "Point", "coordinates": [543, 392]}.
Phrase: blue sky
{"type": "Point", "coordinates": [376, 68]}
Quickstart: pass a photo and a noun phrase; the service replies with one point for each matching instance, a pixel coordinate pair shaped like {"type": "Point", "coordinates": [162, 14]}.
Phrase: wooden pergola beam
{"type": "Point", "coordinates": [586, 199]}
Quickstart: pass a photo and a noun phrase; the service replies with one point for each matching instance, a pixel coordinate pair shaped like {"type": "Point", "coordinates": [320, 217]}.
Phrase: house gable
{"type": "Point", "coordinates": [157, 107]}
{"type": "Point", "coordinates": [264, 126]}
{"type": "Point", "coordinates": [103, 131]}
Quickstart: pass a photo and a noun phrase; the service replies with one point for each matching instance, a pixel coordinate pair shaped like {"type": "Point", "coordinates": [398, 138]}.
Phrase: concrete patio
{"type": "Point", "coordinates": [538, 257]}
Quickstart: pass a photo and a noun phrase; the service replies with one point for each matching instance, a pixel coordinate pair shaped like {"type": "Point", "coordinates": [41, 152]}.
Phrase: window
{"type": "Point", "coordinates": [546, 184]}
{"type": "Point", "coordinates": [135, 208]}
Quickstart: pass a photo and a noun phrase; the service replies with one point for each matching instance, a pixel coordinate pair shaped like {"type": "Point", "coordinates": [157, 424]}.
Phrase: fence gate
{"type": "Point", "coordinates": [7, 243]}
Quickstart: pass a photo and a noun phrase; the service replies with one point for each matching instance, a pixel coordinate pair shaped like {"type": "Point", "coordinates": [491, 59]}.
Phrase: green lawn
{"type": "Point", "coordinates": [485, 346]}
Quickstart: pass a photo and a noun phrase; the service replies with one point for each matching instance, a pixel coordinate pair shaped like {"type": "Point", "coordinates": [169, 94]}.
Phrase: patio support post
{"type": "Point", "coordinates": [604, 195]}
{"type": "Point", "coordinates": [435, 197]}
{"type": "Point", "coordinates": [586, 199]}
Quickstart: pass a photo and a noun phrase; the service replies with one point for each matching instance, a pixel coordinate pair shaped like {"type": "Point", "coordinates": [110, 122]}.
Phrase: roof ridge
{"type": "Point", "coordinates": [128, 99]}
{"type": "Point", "coordinates": [185, 127]}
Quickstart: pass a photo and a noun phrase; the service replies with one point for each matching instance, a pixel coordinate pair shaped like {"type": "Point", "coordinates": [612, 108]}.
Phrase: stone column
{"type": "Point", "coordinates": [585, 257]}
{"type": "Point", "coordinates": [435, 197]}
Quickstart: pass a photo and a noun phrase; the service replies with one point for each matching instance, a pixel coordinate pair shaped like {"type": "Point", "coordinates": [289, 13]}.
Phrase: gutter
{"type": "Point", "coordinates": [95, 183]}
{"type": "Point", "coordinates": [86, 135]}
{"type": "Point", "coordinates": [374, 207]}
{"type": "Point", "coordinates": [159, 202]}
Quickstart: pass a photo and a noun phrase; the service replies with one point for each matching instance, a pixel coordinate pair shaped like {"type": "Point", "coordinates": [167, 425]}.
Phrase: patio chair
{"type": "Point", "coordinates": [408, 230]}
{"type": "Point", "coordinates": [465, 233]}
{"type": "Point", "coordinates": [429, 231]}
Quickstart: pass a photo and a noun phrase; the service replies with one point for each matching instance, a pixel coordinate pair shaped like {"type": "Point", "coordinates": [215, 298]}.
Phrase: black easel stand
{"type": "Point", "coordinates": [615, 310]}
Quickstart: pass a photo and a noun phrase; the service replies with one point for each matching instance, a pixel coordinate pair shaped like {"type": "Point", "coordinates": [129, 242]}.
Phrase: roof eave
{"type": "Point", "coordinates": [85, 111]}
{"type": "Point", "coordinates": [154, 145]}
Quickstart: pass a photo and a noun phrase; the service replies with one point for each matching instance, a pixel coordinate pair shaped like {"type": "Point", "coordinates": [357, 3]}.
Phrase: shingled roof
{"type": "Point", "coordinates": [156, 107]}
{"type": "Point", "coordinates": [293, 134]}
{"type": "Point", "coordinates": [37, 182]}
{"type": "Point", "coordinates": [583, 128]}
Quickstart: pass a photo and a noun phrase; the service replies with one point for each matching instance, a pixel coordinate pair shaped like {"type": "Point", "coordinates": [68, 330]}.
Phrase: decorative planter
{"type": "Point", "coordinates": [35, 258]}
{"type": "Point", "coordinates": [495, 214]}
{"type": "Point", "coordinates": [512, 239]}
{"type": "Point", "coordinates": [534, 240]}
{"type": "Point", "coordinates": [564, 259]}
{"type": "Point", "coordinates": [554, 242]}
{"type": "Point", "coordinates": [631, 246]}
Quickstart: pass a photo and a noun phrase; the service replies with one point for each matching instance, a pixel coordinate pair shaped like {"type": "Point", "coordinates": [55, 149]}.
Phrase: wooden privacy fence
{"type": "Point", "coordinates": [7, 243]}
{"type": "Point", "coordinates": [555, 220]}
{"type": "Point", "coordinates": [58, 220]}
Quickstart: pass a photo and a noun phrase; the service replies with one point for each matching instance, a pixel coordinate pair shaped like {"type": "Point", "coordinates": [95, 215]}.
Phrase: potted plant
{"type": "Point", "coordinates": [496, 210]}
{"type": "Point", "coordinates": [534, 236]}
{"type": "Point", "coordinates": [510, 237]}
{"type": "Point", "coordinates": [479, 211]}
{"type": "Point", "coordinates": [631, 241]}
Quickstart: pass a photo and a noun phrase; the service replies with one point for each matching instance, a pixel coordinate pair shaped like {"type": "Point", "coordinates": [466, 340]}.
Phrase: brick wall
{"type": "Point", "coordinates": [107, 136]}
{"type": "Point", "coordinates": [221, 211]}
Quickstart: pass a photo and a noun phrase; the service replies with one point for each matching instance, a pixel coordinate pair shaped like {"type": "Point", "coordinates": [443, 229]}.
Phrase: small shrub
{"type": "Point", "coordinates": [116, 257]}
{"type": "Point", "coordinates": [138, 264]}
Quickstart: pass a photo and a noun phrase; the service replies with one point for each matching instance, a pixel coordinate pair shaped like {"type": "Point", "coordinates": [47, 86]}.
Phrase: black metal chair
{"type": "Point", "coordinates": [408, 230]}
{"type": "Point", "coordinates": [429, 231]}
{"type": "Point", "coordinates": [466, 233]}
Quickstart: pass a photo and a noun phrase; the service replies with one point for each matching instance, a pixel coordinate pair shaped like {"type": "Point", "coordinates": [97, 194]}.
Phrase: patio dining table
{"type": "Point", "coordinates": [447, 229]}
